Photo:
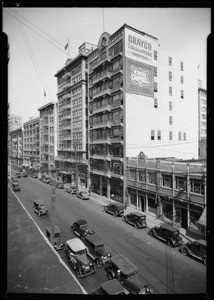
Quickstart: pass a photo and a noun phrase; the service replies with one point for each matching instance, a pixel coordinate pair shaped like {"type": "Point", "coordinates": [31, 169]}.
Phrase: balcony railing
{"type": "Point", "coordinates": [102, 76]}
{"type": "Point", "coordinates": [100, 125]}
{"type": "Point", "coordinates": [116, 55]}
{"type": "Point", "coordinates": [101, 141]}
{"type": "Point", "coordinates": [101, 109]}
{"type": "Point", "coordinates": [99, 62]}
{"type": "Point", "coordinates": [102, 93]}
{"type": "Point", "coordinates": [101, 156]}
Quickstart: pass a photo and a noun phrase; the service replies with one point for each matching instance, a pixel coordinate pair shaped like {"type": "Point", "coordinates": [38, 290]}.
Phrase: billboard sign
{"type": "Point", "coordinates": [138, 47]}
{"type": "Point", "coordinates": [139, 78]}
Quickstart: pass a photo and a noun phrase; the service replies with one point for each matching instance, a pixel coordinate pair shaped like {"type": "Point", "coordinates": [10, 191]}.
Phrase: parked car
{"type": "Point", "coordinates": [71, 190]}
{"type": "Point", "coordinates": [96, 249]}
{"type": "Point", "coordinates": [137, 219]}
{"type": "Point", "coordinates": [59, 185]}
{"type": "Point", "coordinates": [76, 254]}
{"type": "Point", "coordinates": [18, 175]}
{"type": "Point", "coordinates": [168, 233]}
{"type": "Point", "coordinates": [39, 207]}
{"type": "Point", "coordinates": [125, 272]}
{"type": "Point", "coordinates": [196, 249]}
{"type": "Point", "coordinates": [58, 245]}
{"type": "Point", "coordinates": [110, 287]}
{"type": "Point", "coordinates": [80, 228]}
{"type": "Point", "coordinates": [83, 195]}
{"type": "Point", "coordinates": [115, 209]}
{"type": "Point", "coordinates": [15, 186]}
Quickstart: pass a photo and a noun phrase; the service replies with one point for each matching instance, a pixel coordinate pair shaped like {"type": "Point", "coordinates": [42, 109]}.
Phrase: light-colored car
{"type": "Point", "coordinates": [84, 195]}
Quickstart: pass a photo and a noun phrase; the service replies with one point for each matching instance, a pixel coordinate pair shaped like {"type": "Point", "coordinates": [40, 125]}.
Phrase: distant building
{"type": "Point", "coordinates": [202, 121]}
{"type": "Point", "coordinates": [16, 147]}
{"type": "Point", "coordinates": [31, 142]}
{"type": "Point", "coordinates": [15, 122]}
{"type": "Point", "coordinates": [48, 135]}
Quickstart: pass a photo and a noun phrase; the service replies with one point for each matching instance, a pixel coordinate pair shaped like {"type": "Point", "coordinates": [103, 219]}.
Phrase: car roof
{"type": "Point", "coordinates": [56, 229]}
{"type": "Point", "coordinates": [95, 239]}
{"type": "Point", "coordinates": [75, 244]}
{"type": "Point", "coordinates": [138, 214]}
{"type": "Point", "coordinates": [112, 287]}
{"type": "Point", "coordinates": [169, 227]}
{"type": "Point", "coordinates": [39, 201]}
{"type": "Point", "coordinates": [202, 242]}
{"type": "Point", "coordinates": [123, 263]}
{"type": "Point", "coordinates": [81, 222]}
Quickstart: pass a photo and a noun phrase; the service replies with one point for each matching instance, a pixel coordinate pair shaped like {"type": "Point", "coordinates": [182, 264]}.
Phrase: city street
{"type": "Point", "coordinates": [166, 270]}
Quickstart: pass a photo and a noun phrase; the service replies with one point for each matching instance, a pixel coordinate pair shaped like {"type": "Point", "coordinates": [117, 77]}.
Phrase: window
{"type": "Point", "coordinates": [182, 66]}
{"type": "Point", "coordinates": [197, 186]}
{"type": "Point", "coordinates": [142, 176]}
{"type": "Point", "coordinates": [170, 135]}
{"type": "Point", "coordinates": [179, 135]}
{"type": "Point", "coordinates": [132, 174]}
{"type": "Point", "coordinates": [170, 105]}
{"type": "Point", "coordinates": [170, 90]}
{"type": "Point", "coordinates": [170, 61]}
{"type": "Point", "coordinates": [151, 177]}
{"type": "Point", "coordinates": [155, 87]}
{"type": "Point", "coordinates": [155, 103]}
{"type": "Point", "coordinates": [170, 120]}
{"type": "Point", "coordinates": [155, 55]}
{"type": "Point", "coordinates": [170, 76]}
{"type": "Point", "coordinates": [179, 183]}
{"type": "Point", "coordinates": [159, 135]}
{"type": "Point", "coordinates": [155, 71]}
{"type": "Point", "coordinates": [182, 79]}
{"type": "Point", "coordinates": [184, 136]}
{"type": "Point", "coordinates": [182, 94]}
{"type": "Point", "coordinates": [167, 180]}
{"type": "Point", "coordinates": [152, 134]}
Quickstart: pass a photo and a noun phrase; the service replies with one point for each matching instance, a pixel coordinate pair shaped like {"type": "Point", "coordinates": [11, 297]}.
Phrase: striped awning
{"type": "Point", "coordinates": [203, 218]}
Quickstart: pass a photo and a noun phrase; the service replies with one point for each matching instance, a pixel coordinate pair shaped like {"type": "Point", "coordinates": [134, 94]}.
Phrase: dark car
{"type": "Point", "coordinates": [196, 249]}
{"type": "Point", "coordinates": [39, 207]}
{"type": "Point", "coordinates": [71, 190]}
{"type": "Point", "coordinates": [168, 233]}
{"type": "Point", "coordinates": [115, 209]}
{"type": "Point", "coordinates": [96, 249]}
{"type": "Point", "coordinates": [58, 245]}
{"type": "Point", "coordinates": [138, 220]}
{"type": "Point", "coordinates": [125, 272]}
{"type": "Point", "coordinates": [80, 228]}
{"type": "Point", "coordinates": [15, 186]}
{"type": "Point", "coordinates": [110, 287]}
{"type": "Point", "coordinates": [83, 195]}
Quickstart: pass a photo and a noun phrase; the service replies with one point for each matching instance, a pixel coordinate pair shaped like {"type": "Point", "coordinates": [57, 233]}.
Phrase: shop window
{"type": "Point", "coordinates": [167, 180]}
{"type": "Point", "coordinates": [152, 178]}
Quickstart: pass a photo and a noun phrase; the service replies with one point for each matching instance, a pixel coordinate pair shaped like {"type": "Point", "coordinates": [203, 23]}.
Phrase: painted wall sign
{"type": "Point", "coordinates": [139, 78]}
{"type": "Point", "coordinates": [138, 47]}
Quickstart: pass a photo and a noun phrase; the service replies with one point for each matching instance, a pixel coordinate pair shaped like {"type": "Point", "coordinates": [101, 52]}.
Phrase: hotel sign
{"type": "Point", "coordinates": [139, 78]}
{"type": "Point", "coordinates": [138, 47]}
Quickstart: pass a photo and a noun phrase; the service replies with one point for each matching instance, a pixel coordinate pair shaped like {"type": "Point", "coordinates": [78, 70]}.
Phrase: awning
{"type": "Point", "coordinates": [203, 218]}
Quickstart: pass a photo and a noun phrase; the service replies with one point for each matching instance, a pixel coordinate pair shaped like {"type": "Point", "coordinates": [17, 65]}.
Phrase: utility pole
{"type": "Point", "coordinates": [53, 209]}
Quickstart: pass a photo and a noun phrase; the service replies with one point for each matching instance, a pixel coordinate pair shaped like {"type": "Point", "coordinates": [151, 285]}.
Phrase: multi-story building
{"type": "Point", "coordinates": [174, 190]}
{"type": "Point", "coordinates": [15, 122]}
{"type": "Point", "coordinates": [16, 147]}
{"type": "Point", "coordinates": [202, 121]}
{"type": "Point", "coordinates": [140, 99]}
{"type": "Point", "coordinates": [48, 135]}
{"type": "Point", "coordinates": [73, 113]}
{"type": "Point", "coordinates": [31, 137]}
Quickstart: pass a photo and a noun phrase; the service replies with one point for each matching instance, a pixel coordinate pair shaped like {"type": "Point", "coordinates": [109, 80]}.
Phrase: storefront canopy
{"type": "Point", "coordinates": [203, 218]}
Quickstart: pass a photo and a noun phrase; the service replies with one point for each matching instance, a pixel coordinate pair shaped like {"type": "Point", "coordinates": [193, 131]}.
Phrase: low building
{"type": "Point", "coordinates": [170, 190]}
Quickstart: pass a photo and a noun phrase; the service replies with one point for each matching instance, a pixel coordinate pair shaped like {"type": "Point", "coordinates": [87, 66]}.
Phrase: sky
{"type": "Point", "coordinates": [37, 37]}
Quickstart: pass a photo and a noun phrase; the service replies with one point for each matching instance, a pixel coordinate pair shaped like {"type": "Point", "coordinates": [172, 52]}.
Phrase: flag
{"type": "Point", "coordinates": [66, 46]}
{"type": "Point", "coordinates": [44, 94]}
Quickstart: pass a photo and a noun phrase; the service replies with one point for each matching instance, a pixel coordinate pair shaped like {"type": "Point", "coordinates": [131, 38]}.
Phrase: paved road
{"type": "Point", "coordinates": [163, 268]}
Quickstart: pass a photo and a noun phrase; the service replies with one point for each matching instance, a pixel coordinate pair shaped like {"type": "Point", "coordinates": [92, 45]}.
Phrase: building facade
{"type": "Point", "coordinates": [140, 99]}
{"type": "Point", "coordinates": [16, 148]}
{"type": "Point", "coordinates": [202, 122]}
{"type": "Point", "coordinates": [48, 136]}
{"type": "Point", "coordinates": [170, 190]}
{"type": "Point", "coordinates": [31, 142]}
{"type": "Point", "coordinates": [72, 116]}
{"type": "Point", "coordinates": [15, 122]}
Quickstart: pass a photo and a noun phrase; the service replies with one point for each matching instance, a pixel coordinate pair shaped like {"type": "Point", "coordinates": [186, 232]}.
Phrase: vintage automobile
{"type": "Point", "coordinates": [196, 249]}
{"type": "Point", "coordinates": [83, 195]}
{"type": "Point", "coordinates": [71, 189]}
{"type": "Point", "coordinates": [80, 228]}
{"type": "Point", "coordinates": [125, 272]}
{"type": "Point", "coordinates": [110, 287]}
{"type": "Point", "coordinates": [15, 186]}
{"type": "Point", "coordinates": [115, 209]}
{"type": "Point", "coordinates": [59, 185]}
{"type": "Point", "coordinates": [96, 250]}
{"type": "Point", "coordinates": [137, 219]}
{"type": "Point", "coordinates": [167, 233]}
{"type": "Point", "coordinates": [58, 245]}
{"type": "Point", "coordinates": [76, 254]}
{"type": "Point", "coordinates": [39, 207]}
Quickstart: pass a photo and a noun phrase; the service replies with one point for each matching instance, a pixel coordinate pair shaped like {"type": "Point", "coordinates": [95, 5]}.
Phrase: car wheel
{"type": "Point", "coordinates": [184, 251]}
{"type": "Point", "coordinates": [136, 225]}
{"type": "Point", "coordinates": [205, 261]}
{"type": "Point", "coordinates": [170, 243]}
{"type": "Point", "coordinates": [98, 262]}
{"type": "Point", "coordinates": [111, 275]}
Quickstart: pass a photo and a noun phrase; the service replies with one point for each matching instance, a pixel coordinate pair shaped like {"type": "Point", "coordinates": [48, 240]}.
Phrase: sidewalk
{"type": "Point", "coordinates": [151, 220]}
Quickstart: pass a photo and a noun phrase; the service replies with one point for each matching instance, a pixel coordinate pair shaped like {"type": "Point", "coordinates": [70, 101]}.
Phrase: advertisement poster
{"type": "Point", "coordinates": [139, 78]}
